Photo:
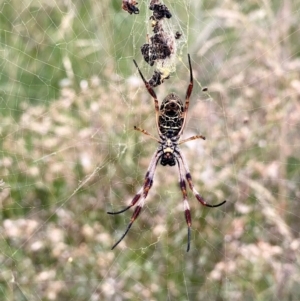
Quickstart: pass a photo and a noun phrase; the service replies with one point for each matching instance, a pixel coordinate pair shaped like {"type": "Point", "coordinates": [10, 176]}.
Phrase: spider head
{"type": "Point", "coordinates": [167, 157]}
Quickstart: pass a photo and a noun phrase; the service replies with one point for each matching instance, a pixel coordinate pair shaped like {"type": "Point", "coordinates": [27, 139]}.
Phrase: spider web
{"type": "Point", "coordinates": [70, 96]}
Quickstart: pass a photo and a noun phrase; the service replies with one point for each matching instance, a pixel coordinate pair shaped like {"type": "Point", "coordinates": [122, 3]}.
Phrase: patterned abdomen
{"type": "Point", "coordinates": [170, 118]}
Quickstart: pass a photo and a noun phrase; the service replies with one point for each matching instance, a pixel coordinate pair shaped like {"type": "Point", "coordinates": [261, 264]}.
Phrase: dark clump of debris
{"type": "Point", "coordinates": [158, 49]}
{"type": "Point", "coordinates": [149, 57]}
{"type": "Point", "coordinates": [130, 6]}
{"type": "Point", "coordinates": [160, 11]}
{"type": "Point", "coordinates": [177, 35]}
{"type": "Point", "coordinates": [160, 45]}
{"type": "Point", "coordinates": [157, 79]}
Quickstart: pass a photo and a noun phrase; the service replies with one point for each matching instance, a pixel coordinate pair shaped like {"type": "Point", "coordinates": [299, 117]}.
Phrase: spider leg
{"type": "Point", "coordinates": [140, 197]}
{"type": "Point", "coordinates": [191, 138]}
{"type": "Point", "coordinates": [187, 96]}
{"type": "Point", "coordinates": [145, 133]}
{"type": "Point", "coordinates": [191, 185]}
{"type": "Point", "coordinates": [186, 206]}
{"type": "Point", "coordinates": [152, 93]}
{"type": "Point", "coordinates": [133, 218]}
{"type": "Point", "coordinates": [148, 178]}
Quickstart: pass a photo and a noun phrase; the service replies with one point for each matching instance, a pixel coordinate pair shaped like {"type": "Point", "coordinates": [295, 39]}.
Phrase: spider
{"type": "Point", "coordinates": [170, 122]}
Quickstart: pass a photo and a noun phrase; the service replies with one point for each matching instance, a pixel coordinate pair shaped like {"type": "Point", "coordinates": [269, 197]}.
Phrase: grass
{"type": "Point", "coordinates": [70, 96]}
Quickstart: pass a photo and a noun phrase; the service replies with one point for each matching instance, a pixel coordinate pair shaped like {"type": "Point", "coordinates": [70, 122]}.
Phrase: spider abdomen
{"type": "Point", "coordinates": [170, 119]}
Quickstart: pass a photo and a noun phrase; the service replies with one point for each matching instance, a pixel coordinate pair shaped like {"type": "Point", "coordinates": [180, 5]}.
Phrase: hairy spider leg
{"type": "Point", "coordinates": [187, 97]}
{"type": "Point", "coordinates": [186, 206]}
{"type": "Point", "coordinates": [191, 185]}
{"type": "Point", "coordinates": [145, 133]}
{"type": "Point", "coordinates": [191, 138]}
{"type": "Point", "coordinates": [149, 175]}
{"type": "Point", "coordinates": [141, 195]}
{"type": "Point", "coordinates": [152, 93]}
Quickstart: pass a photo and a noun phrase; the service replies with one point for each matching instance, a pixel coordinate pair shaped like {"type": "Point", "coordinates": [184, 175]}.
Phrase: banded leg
{"type": "Point", "coordinates": [151, 92]}
{"type": "Point", "coordinates": [145, 133]}
{"type": "Point", "coordinates": [134, 216]}
{"type": "Point", "coordinates": [191, 138]}
{"type": "Point", "coordinates": [187, 96]}
{"type": "Point", "coordinates": [148, 176]}
{"type": "Point", "coordinates": [191, 185]}
{"type": "Point", "coordinates": [140, 197]}
{"type": "Point", "coordinates": [186, 206]}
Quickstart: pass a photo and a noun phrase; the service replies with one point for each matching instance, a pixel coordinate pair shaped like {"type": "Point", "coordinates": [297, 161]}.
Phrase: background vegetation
{"type": "Point", "coordinates": [70, 96]}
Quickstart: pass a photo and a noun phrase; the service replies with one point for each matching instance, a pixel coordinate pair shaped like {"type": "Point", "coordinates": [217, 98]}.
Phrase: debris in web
{"type": "Point", "coordinates": [178, 35]}
{"type": "Point", "coordinates": [158, 49]}
{"type": "Point", "coordinates": [161, 46]}
{"type": "Point", "coordinates": [157, 79]}
{"type": "Point", "coordinates": [160, 11]}
{"type": "Point", "coordinates": [130, 6]}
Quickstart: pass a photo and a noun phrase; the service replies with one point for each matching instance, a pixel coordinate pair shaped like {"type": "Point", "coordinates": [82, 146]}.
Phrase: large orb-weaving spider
{"type": "Point", "coordinates": [170, 122]}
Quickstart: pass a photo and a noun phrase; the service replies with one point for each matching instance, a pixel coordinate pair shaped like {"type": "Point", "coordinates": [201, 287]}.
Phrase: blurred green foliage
{"type": "Point", "coordinates": [70, 96]}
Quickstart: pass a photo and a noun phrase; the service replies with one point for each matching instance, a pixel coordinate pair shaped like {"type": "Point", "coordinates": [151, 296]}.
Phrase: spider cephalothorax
{"type": "Point", "coordinates": [168, 147]}
{"type": "Point", "coordinates": [170, 122]}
